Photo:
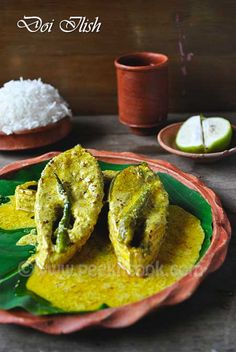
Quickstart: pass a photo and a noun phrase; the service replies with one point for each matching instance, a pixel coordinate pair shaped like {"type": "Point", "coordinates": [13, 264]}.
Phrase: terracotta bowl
{"type": "Point", "coordinates": [36, 137]}
{"type": "Point", "coordinates": [126, 315]}
{"type": "Point", "coordinates": [166, 138]}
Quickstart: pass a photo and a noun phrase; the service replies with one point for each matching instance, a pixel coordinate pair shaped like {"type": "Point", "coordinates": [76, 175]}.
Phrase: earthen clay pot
{"type": "Point", "coordinates": [36, 137]}
{"type": "Point", "coordinates": [126, 315]}
{"type": "Point", "coordinates": [142, 81]}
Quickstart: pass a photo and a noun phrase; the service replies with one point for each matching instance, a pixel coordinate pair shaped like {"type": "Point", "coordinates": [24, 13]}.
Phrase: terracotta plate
{"type": "Point", "coordinates": [166, 138]}
{"type": "Point", "coordinates": [129, 314]}
{"type": "Point", "coordinates": [37, 137]}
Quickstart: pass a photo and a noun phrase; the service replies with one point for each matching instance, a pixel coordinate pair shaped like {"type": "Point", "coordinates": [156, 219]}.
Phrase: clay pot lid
{"type": "Point", "coordinates": [36, 137]}
{"type": "Point", "coordinates": [166, 138]}
{"type": "Point", "coordinates": [127, 315]}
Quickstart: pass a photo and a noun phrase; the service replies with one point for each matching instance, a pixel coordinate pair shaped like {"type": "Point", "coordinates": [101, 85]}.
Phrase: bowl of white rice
{"type": "Point", "coordinates": [32, 114]}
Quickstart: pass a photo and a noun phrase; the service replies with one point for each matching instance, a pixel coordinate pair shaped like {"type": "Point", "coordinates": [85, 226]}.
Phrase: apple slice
{"type": "Point", "coordinates": [190, 137]}
{"type": "Point", "coordinates": [217, 133]}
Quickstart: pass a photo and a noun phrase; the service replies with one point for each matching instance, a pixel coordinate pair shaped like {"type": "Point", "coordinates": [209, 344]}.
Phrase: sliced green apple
{"type": "Point", "coordinates": [217, 133]}
{"type": "Point", "coordinates": [190, 137]}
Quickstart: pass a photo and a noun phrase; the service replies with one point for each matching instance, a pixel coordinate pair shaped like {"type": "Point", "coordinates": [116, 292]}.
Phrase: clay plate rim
{"type": "Point", "coordinates": [36, 137]}
{"type": "Point", "coordinates": [146, 54]}
{"type": "Point", "coordinates": [127, 315]}
{"type": "Point", "coordinates": [36, 129]}
{"type": "Point", "coordinates": [171, 131]}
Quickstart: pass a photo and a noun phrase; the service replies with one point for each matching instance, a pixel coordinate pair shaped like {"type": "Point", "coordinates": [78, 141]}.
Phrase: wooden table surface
{"type": "Point", "coordinates": [207, 321]}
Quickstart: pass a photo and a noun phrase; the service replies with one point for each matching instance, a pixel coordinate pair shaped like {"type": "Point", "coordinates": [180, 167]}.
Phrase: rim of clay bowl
{"type": "Point", "coordinates": [195, 156]}
{"type": "Point", "coordinates": [36, 137]}
{"type": "Point", "coordinates": [148, 56]}
{"type": "Point", "coordinates": [36, 129]}
{"type": "Point", "coordinates": [129, 314]}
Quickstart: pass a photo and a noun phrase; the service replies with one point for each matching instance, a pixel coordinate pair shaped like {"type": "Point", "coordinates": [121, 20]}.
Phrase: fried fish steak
{"type": "Point", "coordinates": [137, 218]}
{"type": "Point", "coordinates": [68, 201]}
{"type": "Point", "coordinates": [26, 193]}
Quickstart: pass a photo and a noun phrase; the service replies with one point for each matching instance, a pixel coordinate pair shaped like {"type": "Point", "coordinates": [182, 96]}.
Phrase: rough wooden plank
{"type": "Point", "coordinates": [198, 37]}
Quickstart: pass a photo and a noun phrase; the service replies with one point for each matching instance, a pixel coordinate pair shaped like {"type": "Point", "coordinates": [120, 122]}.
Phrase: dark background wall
{"type": "Point", "coordinates": [198, 36]}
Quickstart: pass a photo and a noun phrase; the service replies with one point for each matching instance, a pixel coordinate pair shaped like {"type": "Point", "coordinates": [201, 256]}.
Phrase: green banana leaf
{"type": "Point", "coordinates": [13, 278]}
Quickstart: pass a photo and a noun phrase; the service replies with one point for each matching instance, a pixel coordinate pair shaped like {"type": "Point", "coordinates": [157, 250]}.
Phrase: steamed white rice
{"type": "Point", "coordinates": [27, 104]}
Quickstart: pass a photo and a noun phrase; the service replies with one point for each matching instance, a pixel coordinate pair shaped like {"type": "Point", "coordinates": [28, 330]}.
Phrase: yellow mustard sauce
{"type": "Point", "coordinates": [11, 218]}
{"type": "Point", "coordinates": [93, 276]}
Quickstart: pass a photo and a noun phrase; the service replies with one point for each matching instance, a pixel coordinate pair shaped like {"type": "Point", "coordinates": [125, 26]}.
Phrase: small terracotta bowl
{"type": "Point", "coordinates": [166, 138]}
{"type": "Point", "coordinates": [36, 137]}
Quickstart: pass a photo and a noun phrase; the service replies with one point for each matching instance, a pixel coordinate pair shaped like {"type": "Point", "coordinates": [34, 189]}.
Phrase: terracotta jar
{"type": "Point", "coordinates": [142, 80]}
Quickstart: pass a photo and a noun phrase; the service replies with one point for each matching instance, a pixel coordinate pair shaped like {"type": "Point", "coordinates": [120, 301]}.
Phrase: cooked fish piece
{"type": "Point", "coordinates": [25, 196]}
{"type": "Point", "coordinates": [26, 193]}
{"type": "Point", "coordinates": [68, 201]}
{"type": "Point", "coordinates": [138, 206]}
